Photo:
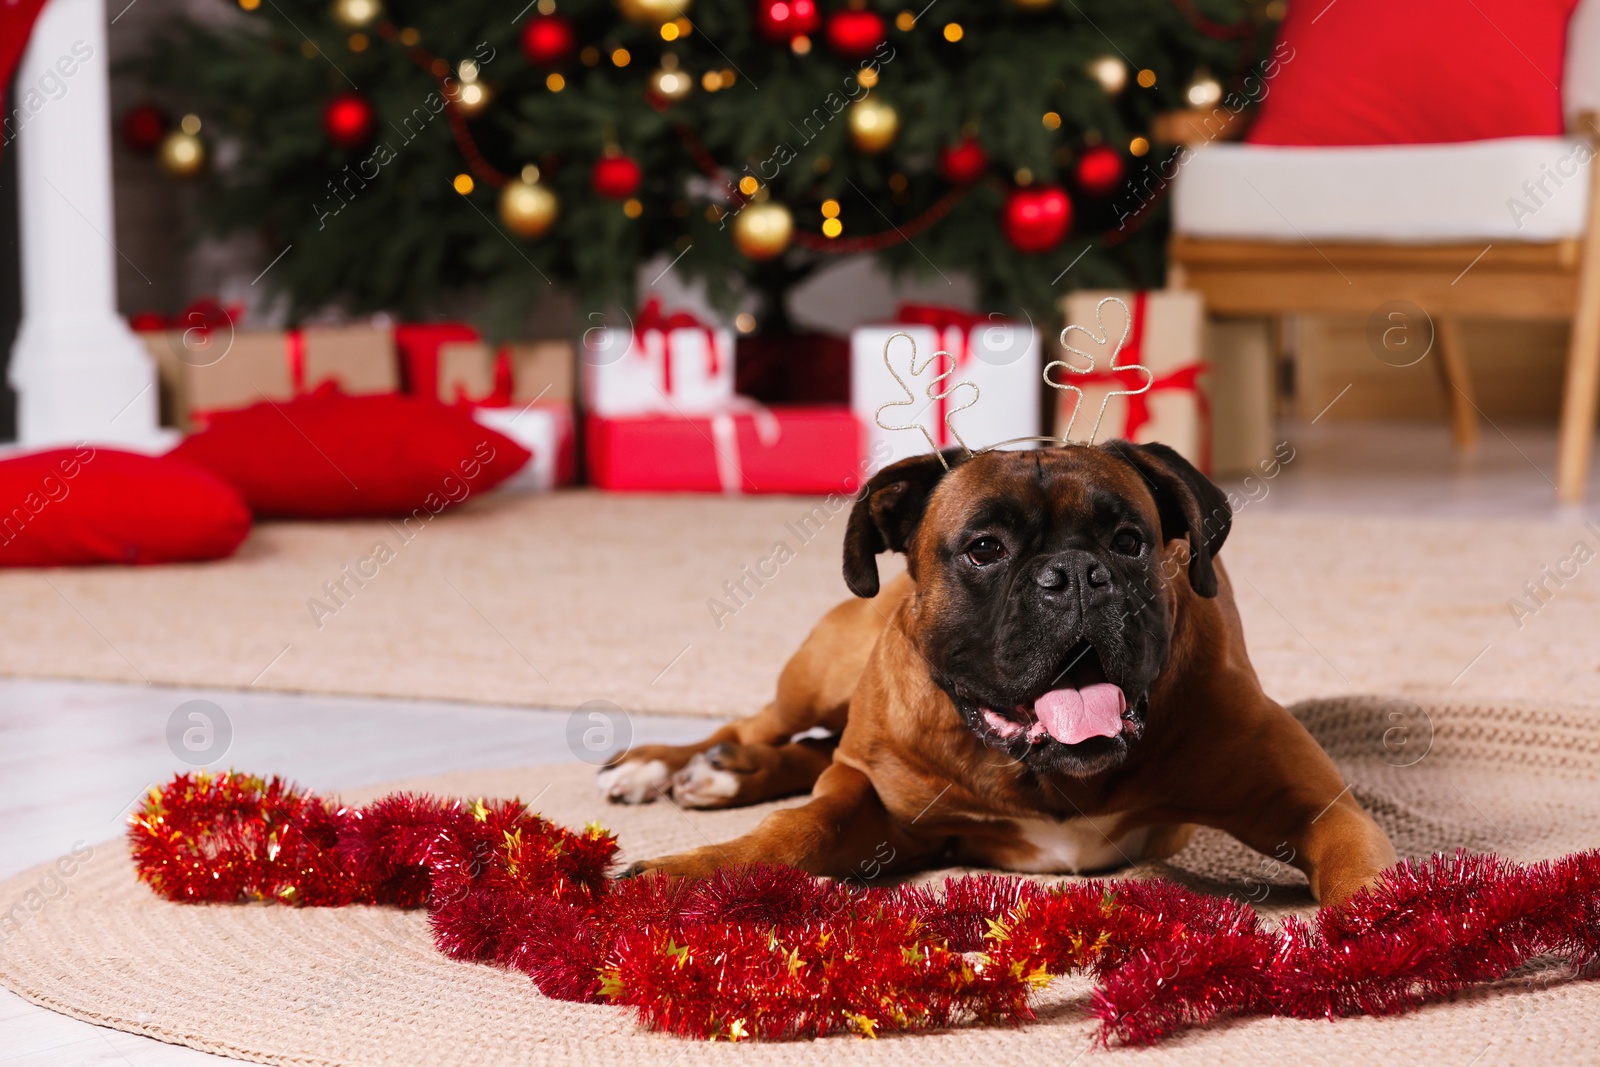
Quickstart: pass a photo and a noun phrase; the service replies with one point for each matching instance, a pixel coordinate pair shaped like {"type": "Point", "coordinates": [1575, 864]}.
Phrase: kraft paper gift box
{"type": "Point", "coordinates": [218, 370]}
{"type": "Point", "coordinates": [665, 365]}
{"type": "Point", "coordinates": [1165, 332]}
{"type": "Point", "coordinates": [222, 367]}
{"type": "Point", "coordinates": [1000, 358]}
{"type": "Point", "coordinates": [746, 449]}
{"type": "Point", "coordinates": [358, 358]}
{"type": "Point", "coordinates": [537, 371]}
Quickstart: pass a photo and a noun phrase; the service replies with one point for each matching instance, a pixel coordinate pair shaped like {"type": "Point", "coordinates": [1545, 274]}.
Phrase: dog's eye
{"type": "Point", "coordinates": [1127, 542]}
{"type": "Point", "coordinates": [986, 550]}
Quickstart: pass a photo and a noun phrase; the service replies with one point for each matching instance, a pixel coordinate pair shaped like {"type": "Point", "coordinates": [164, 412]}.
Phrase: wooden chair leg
{"type": "Point", "coordinates": [1452, 365]}
{"type": "Point", "coordinates": [1575, 440]}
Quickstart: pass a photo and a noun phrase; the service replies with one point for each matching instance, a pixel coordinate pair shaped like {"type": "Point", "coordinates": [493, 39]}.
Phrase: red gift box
{"type": "Point", "coordinates": [811, 450]}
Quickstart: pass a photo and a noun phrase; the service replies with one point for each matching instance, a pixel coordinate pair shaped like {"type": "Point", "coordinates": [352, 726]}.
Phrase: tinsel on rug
{"type": "Point", "coordinates": [771, 953]}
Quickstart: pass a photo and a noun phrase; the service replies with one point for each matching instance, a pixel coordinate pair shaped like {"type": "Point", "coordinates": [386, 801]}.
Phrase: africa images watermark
{"type": "Point", "coordinates": [741, 589]}
{"type": "Point", "coordinates": [1538, 191]}
{"type": "Point", "coordinates": [353, 577]}
{"type": "Point", "coordinates": [52, 885]}
{"type": "Point", "coordinates": [1156, 178]}
{"type": "Point", "coordinates": [832, 106]}
{"type": "Point", "coordinates": [345, 186]}
{"type": "Point", "coordinates": [52, 490]}
{"type": "Point", "coordinates": [1549, 582]}
{"type": "Point", "coordinates": [50, 86]}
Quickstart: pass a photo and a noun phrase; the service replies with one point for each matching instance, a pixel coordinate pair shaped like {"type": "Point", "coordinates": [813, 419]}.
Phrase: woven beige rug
{"type": "Point", "coordinates": [552, 600]}
{"type": "Point", "coordinates": [365, 986]}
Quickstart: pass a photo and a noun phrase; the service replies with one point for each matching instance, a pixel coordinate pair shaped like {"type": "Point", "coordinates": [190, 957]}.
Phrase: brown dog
{"type": "Point", "coordinates": [1059, 684]}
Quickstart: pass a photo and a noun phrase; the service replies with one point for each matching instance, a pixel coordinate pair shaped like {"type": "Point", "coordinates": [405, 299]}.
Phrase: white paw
{"type": "Point", "coordinates": [700, 785]}
{"type": "Point", "coordinates": [633, 782]}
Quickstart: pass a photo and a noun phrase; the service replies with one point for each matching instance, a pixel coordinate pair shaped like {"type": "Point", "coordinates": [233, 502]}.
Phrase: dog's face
{"type": "Point", "coordinates": [1045, 586]}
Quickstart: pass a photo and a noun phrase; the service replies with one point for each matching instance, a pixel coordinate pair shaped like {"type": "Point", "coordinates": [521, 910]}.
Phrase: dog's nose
{"type": "Point", "coordinates": [1061, 571]}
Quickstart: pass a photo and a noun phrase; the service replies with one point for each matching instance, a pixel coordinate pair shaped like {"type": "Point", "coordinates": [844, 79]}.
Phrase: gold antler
{"type": "Point", "coordinates": [1100, 341]}
{"type": "Point", "coordinates": [917, 367]}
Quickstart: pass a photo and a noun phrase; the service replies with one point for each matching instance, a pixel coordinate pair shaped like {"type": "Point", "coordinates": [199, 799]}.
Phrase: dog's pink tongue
{"type": "Point", "coordinates": [1074, 715]}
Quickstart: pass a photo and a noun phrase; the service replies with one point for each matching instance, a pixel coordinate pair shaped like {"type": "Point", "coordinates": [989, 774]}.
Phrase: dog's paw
{"type": "Point", "coordinates": [710, 780]}
{"type": "Point", "coordinates": [634, 781]}
{"type": "Point", "coordinates": [697, 863]}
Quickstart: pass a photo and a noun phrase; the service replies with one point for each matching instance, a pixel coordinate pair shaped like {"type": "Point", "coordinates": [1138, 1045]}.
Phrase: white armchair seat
{"type": "Point", "coordinates": [1399, 194]}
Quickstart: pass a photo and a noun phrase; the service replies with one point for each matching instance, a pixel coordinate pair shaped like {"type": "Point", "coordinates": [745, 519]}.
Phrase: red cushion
{"type": "Point", "coordinates": [328, 455]}
{"type": "Point", "coordinates": [1363, 72]}
{"type": "Point", "coordinates": [93, 505]}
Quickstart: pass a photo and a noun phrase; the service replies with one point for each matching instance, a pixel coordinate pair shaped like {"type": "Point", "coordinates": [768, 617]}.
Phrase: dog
{"type": "Point", "coordinates": [1057, 684]}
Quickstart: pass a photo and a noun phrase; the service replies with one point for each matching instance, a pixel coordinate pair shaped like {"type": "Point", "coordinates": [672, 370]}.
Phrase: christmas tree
{"type": "Point", "coordinates": [410, 155]}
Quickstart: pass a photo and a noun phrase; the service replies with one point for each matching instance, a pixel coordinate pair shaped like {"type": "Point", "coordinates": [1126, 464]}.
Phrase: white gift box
{"type": "Point", "coordinates": [544, 430]}
{"type": "Point", "coordinates": [686, 371]}
{"type": "Point", "coordinates": [999, 358]}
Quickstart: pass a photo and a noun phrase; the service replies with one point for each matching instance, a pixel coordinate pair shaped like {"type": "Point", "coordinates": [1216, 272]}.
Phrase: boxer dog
{"type": "Point", "coordinates": [1058, 683]}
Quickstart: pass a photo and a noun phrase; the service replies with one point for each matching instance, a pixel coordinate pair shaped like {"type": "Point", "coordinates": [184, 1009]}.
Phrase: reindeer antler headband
{"type": "Point", "coordinates": [1101, 338]}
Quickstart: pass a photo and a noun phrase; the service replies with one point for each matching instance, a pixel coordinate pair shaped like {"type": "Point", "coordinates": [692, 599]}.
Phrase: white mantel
{"type": "Point", "coordinates": [80, 373]}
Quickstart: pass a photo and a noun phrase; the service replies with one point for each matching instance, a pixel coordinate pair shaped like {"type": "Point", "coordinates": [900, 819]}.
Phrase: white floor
{"type": "Point", "coordinates": [75, 756]}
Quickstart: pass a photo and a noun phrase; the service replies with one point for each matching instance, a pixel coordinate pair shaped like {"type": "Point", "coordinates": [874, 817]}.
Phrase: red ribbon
{"type": "Point", "coordinates": [1185, 379]}
{"type": "Point", "coordinates": [652, 318]}
{"type": "Point", "coordinates": [294, 350]}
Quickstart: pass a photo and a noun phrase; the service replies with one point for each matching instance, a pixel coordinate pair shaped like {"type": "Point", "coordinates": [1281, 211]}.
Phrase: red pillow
{"type": "Point", "coordinates": [1363, 72]}
{"type": "Point", "coordinates": [83, 505]}
{"type": "Point", "coordinates": [329, 456]}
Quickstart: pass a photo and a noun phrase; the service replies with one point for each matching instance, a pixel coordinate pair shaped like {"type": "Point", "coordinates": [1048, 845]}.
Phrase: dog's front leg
{"type": "Point", "coordinates": [843, 831]}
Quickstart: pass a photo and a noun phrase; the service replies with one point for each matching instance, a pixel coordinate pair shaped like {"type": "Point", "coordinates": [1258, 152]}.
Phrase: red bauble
{"type": "Point", "coordinates": [547, 40]}
{"type": "Point", "coordinates": [616, 177]}
{"type": "Point", "coordinates": [143, 127]}
{"type": "Point", "coordinates": [1099, 170]}
{"type": "Point", "coordinates": [1036, 219]}
{"type": "Point", "coordinates": [856, 34]}
{"type": "Point", "coordinates": [348, 120]}
{"type": "Point", "coordinates": [963, 162]}
{"type": "Point", "coordinates": [781, 21]}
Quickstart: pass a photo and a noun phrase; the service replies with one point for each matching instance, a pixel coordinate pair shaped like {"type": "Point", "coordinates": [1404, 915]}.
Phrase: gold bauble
{"type": "Point", "coordinates": [762, 231]}
{"type": "Point", "coordinates": [182, 154]}
{"type": "Point", "coordinates": [652, 12]}
{"type": "Point", "coordinates": [873, 125]}
{"type": "Point", "coordinates": [472, 98]}
{"type": "Point", "coordinates": [356, 13]}
{"type": "Point", "coordinates": [527, 208]}
{"type": "Point", "coordinates": [1033, 5]}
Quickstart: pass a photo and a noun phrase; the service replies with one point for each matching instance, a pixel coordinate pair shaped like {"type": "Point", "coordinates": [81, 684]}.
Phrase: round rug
{"type": "Point", "coordinates": [363, 985]}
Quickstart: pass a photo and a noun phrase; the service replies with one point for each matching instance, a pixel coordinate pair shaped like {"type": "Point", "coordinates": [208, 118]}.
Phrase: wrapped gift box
{"type": "Point", "coordinates": [664, 365]}
{"type": "Point", "coordinates": [545, 429]}
{"type": "Point", "coordinates": [999, 357]}
{"type": "Point", "coordinates": [220, 367]}
{"type": "Point", "coordinates": [418, 345]}
{"type": "Point", "coordinates": [1165, 334]}
{"type": "Point", "coordinates": [754, 450]}
{"type": "Point", "coordinates": [538, 371]}
{"type": "Point", "coordinates": [204, 371]}
{"type": "Point", "coordinates": [358, 358]}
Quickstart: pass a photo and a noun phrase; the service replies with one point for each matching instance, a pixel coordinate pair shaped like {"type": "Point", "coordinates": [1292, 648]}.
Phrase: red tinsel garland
{"type": "Point", "coordinates": [771, 953]}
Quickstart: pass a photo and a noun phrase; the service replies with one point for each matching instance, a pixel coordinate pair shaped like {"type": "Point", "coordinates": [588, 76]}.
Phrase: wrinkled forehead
{"type": "Point", "coordinates": [1071, 483]}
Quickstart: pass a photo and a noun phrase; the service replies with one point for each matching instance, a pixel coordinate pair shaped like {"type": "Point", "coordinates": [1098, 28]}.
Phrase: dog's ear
{"type": "Point", "coordinates": [1190, 504]}
{"type": "Point", "coordinates": [886, 515]}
